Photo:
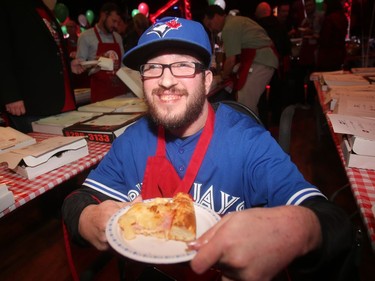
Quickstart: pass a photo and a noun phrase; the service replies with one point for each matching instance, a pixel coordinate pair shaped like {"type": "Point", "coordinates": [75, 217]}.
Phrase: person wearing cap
{"type": "Point", "coordinates": [250, 55]}
{"type": "Point", "coordinates": [225, 160]}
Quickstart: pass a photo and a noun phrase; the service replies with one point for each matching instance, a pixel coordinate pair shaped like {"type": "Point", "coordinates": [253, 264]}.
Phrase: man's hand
{"type": "Point", "coordinates": [93, 221]}
{"type": "Point", "coordinates": [257, 244]}
{"type": "Point", "coordinates": [16, 108]}
{"type": "Point", "coordinates": [76, 66]}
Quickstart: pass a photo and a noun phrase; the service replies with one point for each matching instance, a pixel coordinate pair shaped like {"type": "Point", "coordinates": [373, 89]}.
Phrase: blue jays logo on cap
{"type": "Point", "coordinates": [170, 33]}
{"type": "Point", "coordinates": [162, 28]}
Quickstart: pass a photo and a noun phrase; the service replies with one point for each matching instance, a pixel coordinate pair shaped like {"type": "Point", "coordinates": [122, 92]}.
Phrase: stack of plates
{"type": "Point", "coordinates": [83, 96]}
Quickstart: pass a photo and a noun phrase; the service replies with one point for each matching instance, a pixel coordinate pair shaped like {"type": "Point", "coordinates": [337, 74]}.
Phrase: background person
{"type": "Point", "coordinates": [278, 91]}
{"type": "Point", "coordinates": [309, 29]}
{"type": "Point", "coordinates": [247, 45]}
{"type": "Point", "coordinates": [137, 25]}
{"type": "Point", "coordinates": [222, 158]}
{"type": "Point", "coordinates": [35, 69]}
{"type": "Point", "coordinates": [286, 18]}
{"type": "Point", "coordinates": [72, 30]}
{"type": "Point", "coordinates": [331, 50]}
{"type": "Point", "coordinates": [103, 41]}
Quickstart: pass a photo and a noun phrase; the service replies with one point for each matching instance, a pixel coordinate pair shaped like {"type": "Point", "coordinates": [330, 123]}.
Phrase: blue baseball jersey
{"type": "Point", "coordinates": [243, 167]}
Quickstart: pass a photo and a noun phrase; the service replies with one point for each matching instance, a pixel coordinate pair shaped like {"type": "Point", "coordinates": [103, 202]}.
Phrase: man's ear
{"type": "Point", "coordinates": [208, 80]}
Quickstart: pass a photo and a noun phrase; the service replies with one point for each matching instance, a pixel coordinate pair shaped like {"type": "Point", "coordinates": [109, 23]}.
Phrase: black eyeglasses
{"type": "Point", "coordinates": [178, 69]}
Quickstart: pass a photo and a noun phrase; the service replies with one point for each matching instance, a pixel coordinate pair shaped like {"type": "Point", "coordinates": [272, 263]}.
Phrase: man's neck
{"type": "Point", "coordinates": [100, 26]}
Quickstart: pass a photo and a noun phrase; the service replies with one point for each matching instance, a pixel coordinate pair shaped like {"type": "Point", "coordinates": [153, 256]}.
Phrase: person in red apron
{"type": "Point", "coordinates": [105, 84]}
{"type": "Point", "coordinates": [247, 46]}
{"type": "Point", "coordinates": [103, 41]}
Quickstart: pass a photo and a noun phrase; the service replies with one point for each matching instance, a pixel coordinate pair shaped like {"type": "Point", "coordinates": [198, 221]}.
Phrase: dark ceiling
{"type": "Point", "coordinates": [77, 7]}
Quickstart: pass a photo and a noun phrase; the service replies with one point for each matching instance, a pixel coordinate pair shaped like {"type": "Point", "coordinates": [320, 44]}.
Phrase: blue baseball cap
{"type": "Point", "coordinates": [167, 33]}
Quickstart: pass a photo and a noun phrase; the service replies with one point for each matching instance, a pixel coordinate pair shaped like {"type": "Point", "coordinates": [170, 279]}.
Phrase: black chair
{"type": "Point", "coordinates": [285, 125]}
{"type": "Point", "coordinates": [239, 107]}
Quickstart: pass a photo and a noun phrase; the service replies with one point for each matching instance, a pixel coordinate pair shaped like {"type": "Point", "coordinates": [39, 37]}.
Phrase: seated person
{"type": "Point", "coordinates": [271, 216]}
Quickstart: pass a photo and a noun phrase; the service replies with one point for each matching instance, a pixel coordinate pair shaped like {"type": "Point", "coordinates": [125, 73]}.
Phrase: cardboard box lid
{"type": "Point", "coordinates": [39, 153]}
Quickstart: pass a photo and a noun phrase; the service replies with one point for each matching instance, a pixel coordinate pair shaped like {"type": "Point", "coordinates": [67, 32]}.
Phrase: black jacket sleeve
{"type": "Point", "coordinates": [336, 257]}
{"type": "Point", "coordinates": [73, 206]}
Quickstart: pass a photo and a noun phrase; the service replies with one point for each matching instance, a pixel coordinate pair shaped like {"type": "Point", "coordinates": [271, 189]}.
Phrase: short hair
{"type": "Point", "coordinates": [110, 7]}
{"type": "Point", "coordinates": [213, 10]}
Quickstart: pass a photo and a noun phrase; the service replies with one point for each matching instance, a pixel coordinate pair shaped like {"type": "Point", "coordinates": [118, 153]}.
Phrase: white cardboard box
{"type": "Point", "coordinates": [132, 79]}
{"type": "Point", "coordinates": [362, 146]}
{"type": "Point", "coordinates": [123, 104]}
{"type": "Point", "coordinates": [56, 123]}
{"type": "Point", "coordinates": [6, 197]}
{"type": "Point", "coordinates": [354, 160]}
{"type": "Point", "coordinates": [45, 156]}
{"type": "Point", "coordinates": [12, 139]}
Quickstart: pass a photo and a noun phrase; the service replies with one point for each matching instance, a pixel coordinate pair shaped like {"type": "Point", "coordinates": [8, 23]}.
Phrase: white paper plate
{"type": "Point", "coordinates": [154, 250]}
{"type": "Point", "coordinates": [89, 63]}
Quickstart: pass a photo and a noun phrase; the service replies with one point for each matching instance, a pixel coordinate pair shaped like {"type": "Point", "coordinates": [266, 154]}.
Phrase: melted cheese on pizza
{"type": "Point", "coordinates": [171, 219]}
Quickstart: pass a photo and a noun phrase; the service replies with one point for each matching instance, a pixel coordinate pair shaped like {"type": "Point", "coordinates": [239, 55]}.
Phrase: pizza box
{"type": "Point", "coordinates": [104, 128]}
{"type": "Point", "coordinates": [56, 123]}
{"type": "Point", "coordinates": [45, 156]}
{"type": "Point", "coordinates": [12, 139]}
{"type": "Point", "coordinates": [354, 160]}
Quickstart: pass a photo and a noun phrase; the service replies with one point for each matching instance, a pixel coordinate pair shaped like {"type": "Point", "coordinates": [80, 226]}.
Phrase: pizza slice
{"type": "Point", "coordinates": [171, 219]}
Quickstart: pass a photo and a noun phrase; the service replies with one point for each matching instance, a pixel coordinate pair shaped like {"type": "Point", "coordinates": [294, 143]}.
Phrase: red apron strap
{"type": "Point", "coordinates": [160, 149]}
{"type": "Point", "coordinates": [199, 153]}
{"type": "Point", "coordinates": [161, 179]}
{"type": "Point", "coordinates": [246, 60]}
{"type": "Point", "coordinates": [69, 255]}
{"type": "Point", "coordinates": [97, 34]}
{"type": "Point", "coordinates": [99, 38]}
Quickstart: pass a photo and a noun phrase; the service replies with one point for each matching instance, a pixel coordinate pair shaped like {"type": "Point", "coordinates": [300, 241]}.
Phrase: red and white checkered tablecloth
{"type": "Point", "coordinates": [25, 190]}
{"type": "Point", "coordinates": [362, 181]}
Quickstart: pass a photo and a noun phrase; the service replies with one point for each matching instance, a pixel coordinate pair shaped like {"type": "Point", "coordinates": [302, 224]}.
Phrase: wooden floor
{"type": "Point", "coordinates": [31, 238]}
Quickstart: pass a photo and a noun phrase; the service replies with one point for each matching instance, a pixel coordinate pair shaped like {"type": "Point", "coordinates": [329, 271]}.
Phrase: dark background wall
{"type": "Point", "coordinates": [362, 10]}
{"type": "Point", "coordinates": [77, 7]}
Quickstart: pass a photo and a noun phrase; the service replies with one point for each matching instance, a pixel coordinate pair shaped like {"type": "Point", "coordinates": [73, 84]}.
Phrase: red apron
{"type": "Point", "coordinates": [105, 84]}
{"type": "Point", "coordinates": [246, 60]}
{"type": "Point", "coordinates": [162, 180]}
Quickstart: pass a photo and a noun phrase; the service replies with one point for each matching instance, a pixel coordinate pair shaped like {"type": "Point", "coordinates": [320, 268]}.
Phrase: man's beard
{"type": "Point", "coordinates": [105, 25]}
{"type": "Point", "coordinates": [193, 109]}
